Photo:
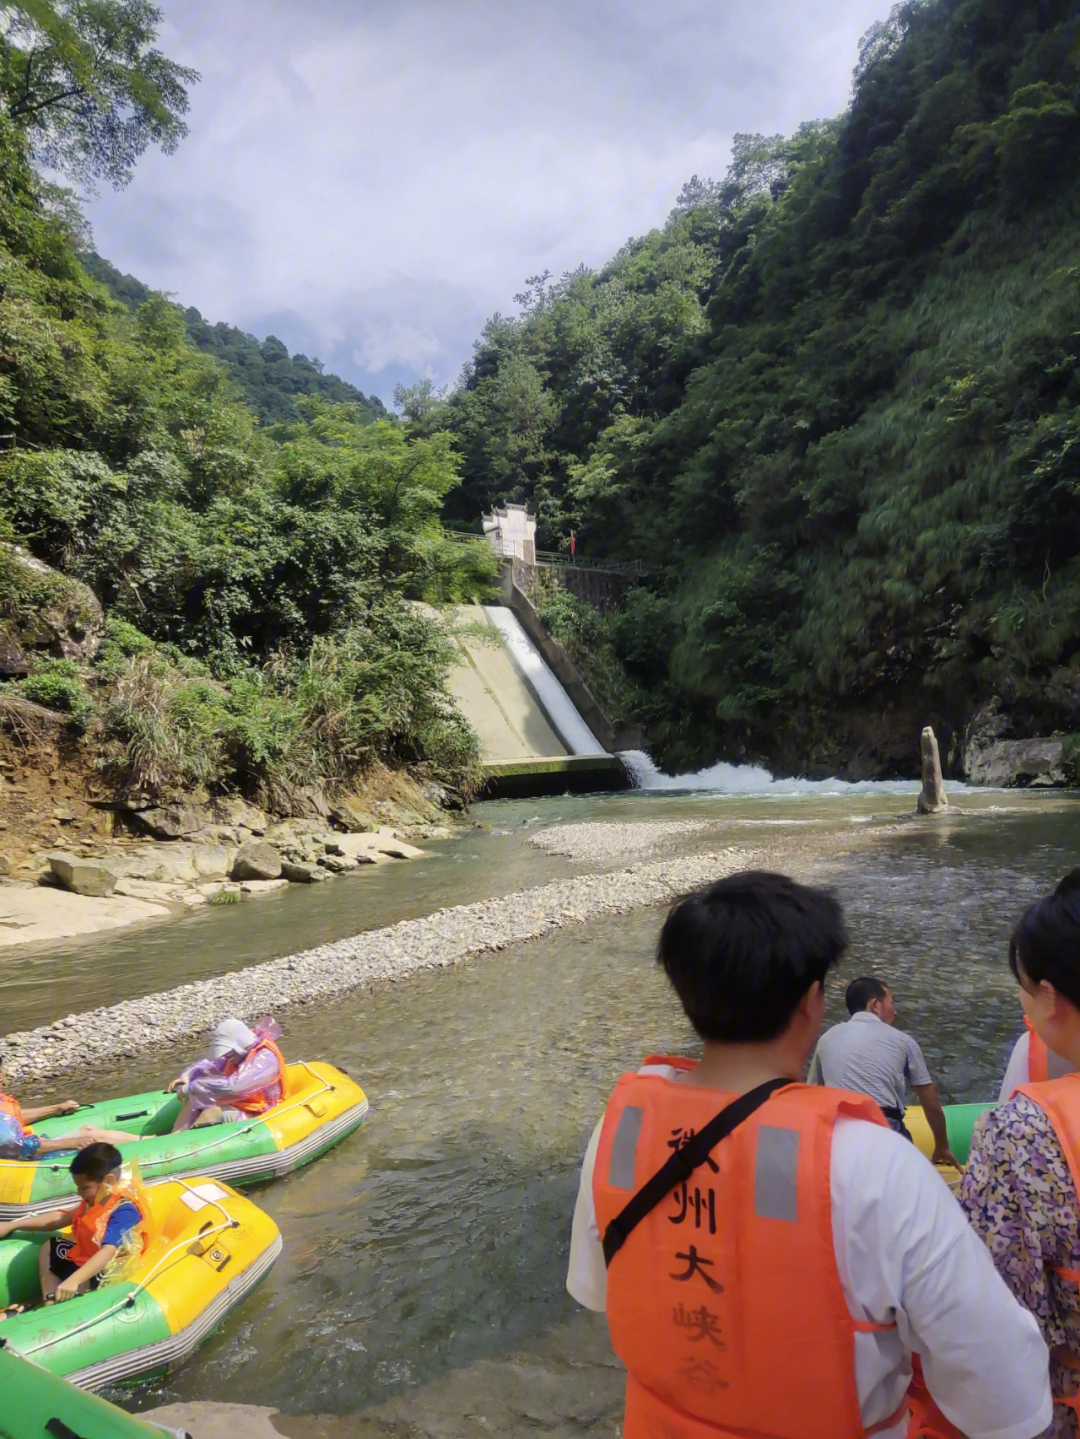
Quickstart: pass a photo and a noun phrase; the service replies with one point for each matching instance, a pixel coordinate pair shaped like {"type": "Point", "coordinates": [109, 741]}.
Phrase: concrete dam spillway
{"type": "Point", "coordinates": [538, 728]}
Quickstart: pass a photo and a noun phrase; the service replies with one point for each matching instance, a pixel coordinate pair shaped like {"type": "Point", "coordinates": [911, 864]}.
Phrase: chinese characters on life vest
{"type": "Point", "coordinates": [702, 1326]}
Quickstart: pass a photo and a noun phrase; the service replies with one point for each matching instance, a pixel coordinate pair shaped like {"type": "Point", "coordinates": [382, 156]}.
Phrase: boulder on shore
{"type": "Point", "coordinates": [351, 815]}
{"type": "Point", "coordinates": [234, 810]}
{"type": "Point", "coordinates": [1012, 763]}
{"type": "Point", "coordinates": [172, 821]}
{"type": "Point", "coordinates": [257, 860]}
{"type": "Point", "coordinates": [297, 873]}
{"type": "Point", "coordinates": [60, 616]}
{"type": "Point", "coordinates": [82, 876]}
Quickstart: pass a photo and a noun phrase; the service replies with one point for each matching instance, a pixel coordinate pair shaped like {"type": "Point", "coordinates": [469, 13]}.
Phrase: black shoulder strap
{"type": "Point", "coordinates": [683, 1163]}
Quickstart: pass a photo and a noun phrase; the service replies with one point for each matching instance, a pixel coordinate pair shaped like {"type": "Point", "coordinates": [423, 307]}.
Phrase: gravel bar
{"type": "Point", "coordinates": [436, 941]}
{"type": "Point", "coordinates": [604, 841]}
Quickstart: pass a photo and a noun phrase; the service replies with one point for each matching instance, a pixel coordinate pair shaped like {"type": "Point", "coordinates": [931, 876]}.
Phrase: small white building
{"type": "Point", "coordinates": [511, 532]}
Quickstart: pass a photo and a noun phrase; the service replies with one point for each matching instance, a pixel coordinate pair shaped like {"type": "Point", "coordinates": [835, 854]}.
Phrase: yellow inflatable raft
{"type": "Point", "coordinates": [208, 1246]}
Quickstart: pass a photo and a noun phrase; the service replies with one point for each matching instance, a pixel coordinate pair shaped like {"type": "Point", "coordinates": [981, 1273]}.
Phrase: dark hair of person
{"type": "Point", "coordinates": [1046, 942]}
{"type": "Point", "coordinates": [97, 1160]}
{"type": "Point", "coordinates": [742, 952]}
{"type": "Point", "coordinates": [860, 992]}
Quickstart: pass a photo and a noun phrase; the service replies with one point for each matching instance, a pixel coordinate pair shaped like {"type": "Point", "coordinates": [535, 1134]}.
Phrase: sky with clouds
{"type": "Point", "coordinates": [370, 180]}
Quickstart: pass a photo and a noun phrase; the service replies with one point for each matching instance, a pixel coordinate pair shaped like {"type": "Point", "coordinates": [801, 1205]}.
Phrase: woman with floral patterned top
{"type": "Point", "coordinates": [1021, 1190]}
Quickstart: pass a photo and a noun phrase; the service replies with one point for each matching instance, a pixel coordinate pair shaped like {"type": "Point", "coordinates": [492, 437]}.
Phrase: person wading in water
{"type": "Point", "coordinates": [868, 1055]}
{"type": "Point", "coordinates": [769, 1253]}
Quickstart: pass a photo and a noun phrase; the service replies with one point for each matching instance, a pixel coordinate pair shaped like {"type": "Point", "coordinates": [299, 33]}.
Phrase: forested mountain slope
{"type": "Point", "coordinates": [255, 579]}
{"type": "Point", "coordinates": [268, 377]}
{"type": "Point", "coordinates": [834, 405]}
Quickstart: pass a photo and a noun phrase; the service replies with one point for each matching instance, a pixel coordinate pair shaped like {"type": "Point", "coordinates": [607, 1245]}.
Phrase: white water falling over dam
{"type": "Point", "coordinates": [533, 736]}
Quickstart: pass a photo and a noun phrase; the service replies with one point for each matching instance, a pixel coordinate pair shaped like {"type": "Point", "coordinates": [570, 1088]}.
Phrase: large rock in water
{"type": "Point", "coordinates": [56, 615]}
{"type": "Point", "coordinates": [932, 797]}
{"type": "Point", "coordinates": [257, 860]}
{"type": "Point", "coordinates": [83, 876]}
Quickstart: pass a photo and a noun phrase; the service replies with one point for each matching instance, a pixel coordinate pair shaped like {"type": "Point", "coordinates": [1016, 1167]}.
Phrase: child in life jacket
{"type": "Point", "coordinates": [106, 1214]}
{"type": "Point", "coordinates": [244, 1074]}
{"type": "Point", "coordinates": [18, 1141]}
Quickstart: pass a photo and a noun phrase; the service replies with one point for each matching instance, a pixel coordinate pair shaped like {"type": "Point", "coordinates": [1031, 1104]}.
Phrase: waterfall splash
{"type": "Point", "coordinates": [750, 779]}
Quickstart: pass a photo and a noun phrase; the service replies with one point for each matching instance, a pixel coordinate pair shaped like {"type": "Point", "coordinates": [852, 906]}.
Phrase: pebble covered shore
{"type": "Point", "coordinates": [610, 841]}
{"type": "Point", "coordinates": [436, 941]}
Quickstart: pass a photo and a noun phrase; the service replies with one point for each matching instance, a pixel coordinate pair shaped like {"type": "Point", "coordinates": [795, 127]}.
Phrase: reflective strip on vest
{"type": "Point", "coordinates": [624, 1148]}
{"type": "Point", "coordinates": [776, 1167]}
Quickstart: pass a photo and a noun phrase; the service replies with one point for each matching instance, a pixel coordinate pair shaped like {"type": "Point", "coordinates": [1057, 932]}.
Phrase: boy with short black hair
{"type": "Point", "coordinates": [105, 1215]}
{"type": "Point", "coordinates": [768, 1253]}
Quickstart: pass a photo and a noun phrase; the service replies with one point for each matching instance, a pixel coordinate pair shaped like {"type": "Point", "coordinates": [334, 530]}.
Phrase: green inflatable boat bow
{"type": "Point", "coordinates": [38, 1405]}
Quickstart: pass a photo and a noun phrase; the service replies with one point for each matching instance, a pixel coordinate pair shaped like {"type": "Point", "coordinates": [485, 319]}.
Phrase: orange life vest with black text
{"type": "Point", "coordinates": [90, 1221]}
{"type": "Point", "coordinates": [725, 1302]}
{"type": "Point", "coordinates": [259, 1100]}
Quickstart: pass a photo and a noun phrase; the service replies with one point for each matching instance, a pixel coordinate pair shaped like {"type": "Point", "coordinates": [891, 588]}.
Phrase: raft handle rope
{"type": "Point", "coordinates": [128, 1301]}
{"type": "Point", "coordinates": [233, 1129]}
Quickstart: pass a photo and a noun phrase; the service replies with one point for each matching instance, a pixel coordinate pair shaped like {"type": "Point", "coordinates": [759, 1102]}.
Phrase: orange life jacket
{"type": "Point", "coordinates": [725, 1303]}
{"type": "Point", "coordinates": [259, 1100]}
{"type": "Point", "coordinates": [90, 1221]}
{"type": "Point", "coordinates": [1038, 1056]}
{"type": "Point", "coordinates": [1060, 1100]}
{"type": "Point", "coordinates": [10, 1105]}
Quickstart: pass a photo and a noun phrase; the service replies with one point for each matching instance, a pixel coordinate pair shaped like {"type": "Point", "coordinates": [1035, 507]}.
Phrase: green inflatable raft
{"type": "Point", "coordinates": [321, 1105]}
{"type": "Point", "coordinates": [959, 1120]}
{"type": "Point", "coordinates": [38, 1405]}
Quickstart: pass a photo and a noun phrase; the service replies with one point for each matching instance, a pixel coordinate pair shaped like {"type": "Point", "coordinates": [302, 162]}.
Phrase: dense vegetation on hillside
{"type": "Point", "coordinates": [835, 405]}
{"type": "Point", "coordinates": [267, 376]}
{"type": "Point", "coordinates": [256, 579]}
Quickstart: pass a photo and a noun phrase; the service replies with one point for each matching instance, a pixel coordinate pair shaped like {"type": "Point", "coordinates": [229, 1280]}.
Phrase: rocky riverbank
{"type": "Point", "coordinates": [121, 864]}
{"type": "Point", "coordinates": [436, 941]}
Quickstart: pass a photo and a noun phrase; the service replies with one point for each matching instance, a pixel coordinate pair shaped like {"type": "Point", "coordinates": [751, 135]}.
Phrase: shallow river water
{"type": "Point", "coordinates": [421, 1282]}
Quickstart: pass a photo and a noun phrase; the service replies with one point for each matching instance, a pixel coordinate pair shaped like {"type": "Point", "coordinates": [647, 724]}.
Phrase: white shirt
{"type": "Point", "coordinates": [1018, 1071]}
{"type": "Point", "coordinates": [905, 1254]}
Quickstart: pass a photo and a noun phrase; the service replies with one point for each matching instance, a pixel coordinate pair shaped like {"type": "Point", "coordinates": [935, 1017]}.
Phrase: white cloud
{"type": "Point", "coordinates": [375, 178]}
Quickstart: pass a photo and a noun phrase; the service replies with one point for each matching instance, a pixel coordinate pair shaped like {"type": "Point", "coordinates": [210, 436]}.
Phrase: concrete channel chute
{"type": "Point", "coordinates": [541, 729]}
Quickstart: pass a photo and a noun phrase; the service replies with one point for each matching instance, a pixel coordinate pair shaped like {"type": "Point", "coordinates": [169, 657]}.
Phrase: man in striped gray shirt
{"type": "Point", "coordinates": [870, 1057]}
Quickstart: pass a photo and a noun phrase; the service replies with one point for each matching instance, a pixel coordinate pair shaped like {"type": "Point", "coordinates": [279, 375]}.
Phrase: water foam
{"type": "Point", "coordinates": [752, 779]}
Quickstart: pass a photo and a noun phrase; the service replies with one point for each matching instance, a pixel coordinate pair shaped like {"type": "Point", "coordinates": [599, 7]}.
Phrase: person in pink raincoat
{"type": "Point", "coordinates": [243, 1075]}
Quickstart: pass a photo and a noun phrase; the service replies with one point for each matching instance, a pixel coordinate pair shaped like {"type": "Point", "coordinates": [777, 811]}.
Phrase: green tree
{"type": "Point", "coordinates": [83, 79]}
{"type": "Point", "coordinates": [258, 580]}
{"type": "Point", "coordinates": [834, 407]}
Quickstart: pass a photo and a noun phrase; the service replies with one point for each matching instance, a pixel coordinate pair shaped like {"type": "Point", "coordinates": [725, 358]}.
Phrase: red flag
{"type": "Point", "coordinates": [573, 544]}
